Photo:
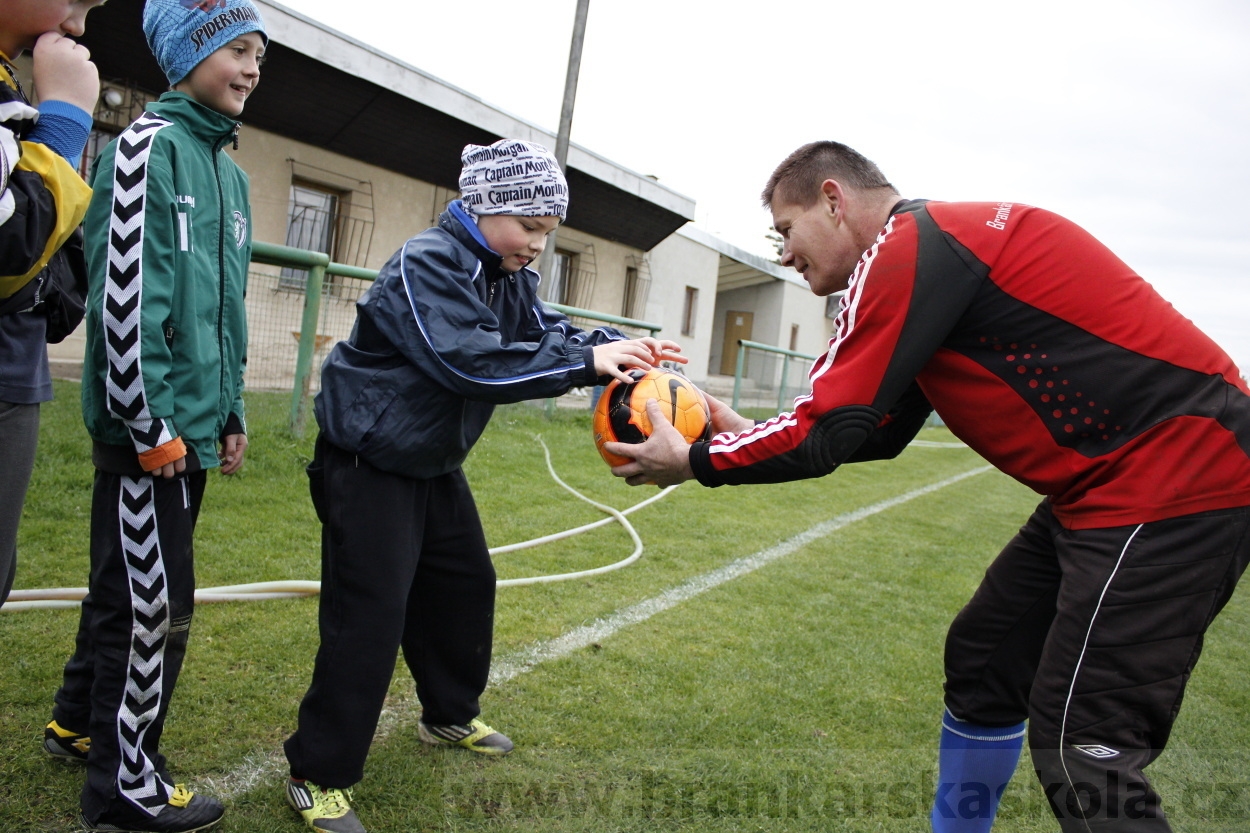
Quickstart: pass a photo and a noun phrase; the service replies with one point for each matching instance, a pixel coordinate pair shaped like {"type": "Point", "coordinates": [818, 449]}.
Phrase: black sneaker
{"type": "Point", "coordinates": [476, 737]}
{"type": "Point", "coordinates": [64, 744]}
{"type": "Point", "coordinates": [186, 812]}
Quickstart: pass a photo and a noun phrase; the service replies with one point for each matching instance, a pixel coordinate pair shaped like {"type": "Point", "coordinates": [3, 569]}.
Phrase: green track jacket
{"type": "Point", "coordinates": [168, 245]}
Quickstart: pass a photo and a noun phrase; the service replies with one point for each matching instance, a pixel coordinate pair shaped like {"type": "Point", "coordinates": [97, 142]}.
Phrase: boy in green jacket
{"type": "Point", "coordinates": [168, 245]}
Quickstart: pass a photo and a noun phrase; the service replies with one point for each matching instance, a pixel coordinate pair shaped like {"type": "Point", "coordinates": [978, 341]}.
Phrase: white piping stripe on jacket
{"type": "Point", "coordinates": [843, 326]}
{"type": "Point", "coordinates": [403, 273]}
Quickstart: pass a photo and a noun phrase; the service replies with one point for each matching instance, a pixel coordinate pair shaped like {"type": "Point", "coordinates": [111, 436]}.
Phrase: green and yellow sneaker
{"type": "Point", "coordinates": [324, 810]}
{"type": "Point", "coordinates": [476, 737]}
{"type": "Point", "coordinates": [64, 744]}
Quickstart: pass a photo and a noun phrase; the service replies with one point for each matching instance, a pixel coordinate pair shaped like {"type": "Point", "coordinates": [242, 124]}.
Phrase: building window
{"type": "Point", "coordinates": [311, 224]}
{"type": "Point", "coordinates": [689, 311]}
{"type": "Point", "coordinates": [555, 288]}
{"type": "Point", "coordinates": [629, 302]}
{"type": "Point", "coordinates": [328, 212]}
{"type": "Point", "coordinates": [794, 336]}
{"type": "Point", "coordinates": [637, 287]}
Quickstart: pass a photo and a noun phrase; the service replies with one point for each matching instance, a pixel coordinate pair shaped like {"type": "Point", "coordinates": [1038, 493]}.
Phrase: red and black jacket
{"type": "Point", "coordinates": [1039, 348]}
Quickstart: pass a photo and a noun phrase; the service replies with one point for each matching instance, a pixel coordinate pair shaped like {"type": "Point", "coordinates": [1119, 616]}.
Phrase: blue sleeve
{"type": "Point", "coordinates": [64, 128]}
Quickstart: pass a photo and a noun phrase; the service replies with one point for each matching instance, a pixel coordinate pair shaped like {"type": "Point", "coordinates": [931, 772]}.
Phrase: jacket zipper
{"type": "Point", "coordinates": [221, 266]}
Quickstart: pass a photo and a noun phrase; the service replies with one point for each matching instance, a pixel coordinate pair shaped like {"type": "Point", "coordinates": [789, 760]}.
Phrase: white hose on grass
{"type": "Point", "coordinates": [619, 517]}
{"type": "Point", "coordinates": [68, 597]}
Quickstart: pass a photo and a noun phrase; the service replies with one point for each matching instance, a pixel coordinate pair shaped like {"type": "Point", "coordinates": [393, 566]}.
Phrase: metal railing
{"type": "Point", "coordinates": [743, 346]}
{"type": "Point", "coordinates": [319, 266]}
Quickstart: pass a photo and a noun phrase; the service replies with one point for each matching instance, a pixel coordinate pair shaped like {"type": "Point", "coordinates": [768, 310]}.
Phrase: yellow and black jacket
{"type": "Point", "coordinates": [42, 198]}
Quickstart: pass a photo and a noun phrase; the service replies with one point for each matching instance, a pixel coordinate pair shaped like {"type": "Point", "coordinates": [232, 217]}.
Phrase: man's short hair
{"type": "Point", "coordinates": [798, 178]}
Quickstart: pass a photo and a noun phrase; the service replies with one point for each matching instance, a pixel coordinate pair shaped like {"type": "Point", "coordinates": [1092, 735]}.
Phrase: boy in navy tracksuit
{"type": "Point", "coordinates": [451, 327]}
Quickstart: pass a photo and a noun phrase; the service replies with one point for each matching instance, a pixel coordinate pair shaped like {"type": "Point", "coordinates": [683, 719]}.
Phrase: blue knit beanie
{"type": "Point", "coordinates": [181, 33]}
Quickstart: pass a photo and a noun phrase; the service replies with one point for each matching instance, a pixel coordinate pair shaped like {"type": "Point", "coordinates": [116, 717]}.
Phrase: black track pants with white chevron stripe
{"type": "Point", "coordinates": [132, 635]}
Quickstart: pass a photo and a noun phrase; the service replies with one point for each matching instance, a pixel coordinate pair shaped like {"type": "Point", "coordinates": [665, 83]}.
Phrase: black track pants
{"type": "Point", "coordinates": [132, 636]}
{"type": "Point", "coordinates": [404, 564]}
{"type": "Point", "coordinates": [19, 434]}
{"type": "Point", "coordinates": [1092, 635]}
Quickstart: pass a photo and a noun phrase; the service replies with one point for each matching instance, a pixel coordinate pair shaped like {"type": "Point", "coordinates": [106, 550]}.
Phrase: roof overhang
{"type": "Point", "coordinates": [738, 267]}
{"type": "Point", "coordinates": [328, 90]}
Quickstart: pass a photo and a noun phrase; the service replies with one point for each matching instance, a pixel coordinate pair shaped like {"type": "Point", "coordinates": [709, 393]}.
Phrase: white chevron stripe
{"type": "Point", "coordinates": [150, 609]}
{"type": "Point", "coordinates": [148, 701]}
{"type": "Point", "coordinates": [143, 129]}
{"type": "Point", "coordinates": [138, 723]}
{"type": "Point", "coordinates": [121, 294]}
{"type": "Point", "coordinates": [137, 518]}
{"type": "Point", "coordinates": [149, 639]}
{"type": "Point", "coordinates": [123, 228]}
{"type": "Point", "coordinates": [142, 549]}
{"type": "Point", "coordinates": [128, 167]}
{"type": "Point", "coordinates": [144, 425]}
{"type": "Point", "coordinates": [145, 667]}
{"type": "Point", "coordinates": [127, 396]}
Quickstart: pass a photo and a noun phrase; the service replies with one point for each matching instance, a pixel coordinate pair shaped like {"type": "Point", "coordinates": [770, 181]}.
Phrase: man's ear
{"type": "Point", "coordinates": [833, 197]}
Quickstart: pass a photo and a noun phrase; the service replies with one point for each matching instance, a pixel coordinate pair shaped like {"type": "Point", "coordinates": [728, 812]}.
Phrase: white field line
{"type": "Point", "coordinates": [258, 768]}
{"type": "Point", "coordinates": [519, 662]}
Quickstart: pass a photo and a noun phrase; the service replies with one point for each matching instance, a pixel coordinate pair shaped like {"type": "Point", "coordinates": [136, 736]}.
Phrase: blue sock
{"type": "Point", "coordinates": [974, 765]}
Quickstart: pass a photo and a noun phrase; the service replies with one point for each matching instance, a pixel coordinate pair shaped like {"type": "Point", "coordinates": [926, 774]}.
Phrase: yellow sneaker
{"type": "Point", "coordinates": [324, 810]}
{"type": "Point", "coordinates": [476, 737]}
{"type": "Point", "coordinates": [64, 744]}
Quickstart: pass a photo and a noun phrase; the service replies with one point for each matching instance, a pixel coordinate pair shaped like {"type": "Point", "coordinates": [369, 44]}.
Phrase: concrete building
{"type": "Point", "coordinates": [351, 151]}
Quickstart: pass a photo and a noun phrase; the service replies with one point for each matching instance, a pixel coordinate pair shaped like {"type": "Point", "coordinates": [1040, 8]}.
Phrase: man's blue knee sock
{"type": "Point", "coordinates": [974, 765]}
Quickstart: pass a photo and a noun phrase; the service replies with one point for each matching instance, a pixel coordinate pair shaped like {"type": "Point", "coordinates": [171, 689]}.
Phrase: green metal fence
{"type": "Point", "coordinates": [345, 284]}
{"type": "Point", "coordinates": [744, 346]}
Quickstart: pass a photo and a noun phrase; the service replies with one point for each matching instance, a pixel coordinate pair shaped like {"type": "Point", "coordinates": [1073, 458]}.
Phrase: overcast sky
{"type": "Point", "coordinates": [1131, 118]}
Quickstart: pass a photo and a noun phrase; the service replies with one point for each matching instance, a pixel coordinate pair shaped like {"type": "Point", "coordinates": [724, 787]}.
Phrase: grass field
{"type": "Point", "coordinates": [800, 695]}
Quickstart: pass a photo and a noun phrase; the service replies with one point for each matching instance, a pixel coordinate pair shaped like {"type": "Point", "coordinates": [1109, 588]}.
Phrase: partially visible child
{"type": "Point", "coordinates": [452, 327]}
{"type": "Point", "coordinates": [168, 247]}
{"type": "Point", "coordinates": [42, 201]}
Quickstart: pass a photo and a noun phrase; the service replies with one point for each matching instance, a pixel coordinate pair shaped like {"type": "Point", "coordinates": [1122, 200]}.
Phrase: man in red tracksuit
{"type": "Point", "coordinates": [1047, 355]}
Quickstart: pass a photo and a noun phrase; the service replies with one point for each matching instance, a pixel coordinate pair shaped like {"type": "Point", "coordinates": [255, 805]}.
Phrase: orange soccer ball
{"type": "Point", "coordinates": [621, 413]}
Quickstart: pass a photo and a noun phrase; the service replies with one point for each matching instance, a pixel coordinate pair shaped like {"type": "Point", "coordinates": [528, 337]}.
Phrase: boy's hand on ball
{"type": "Point", "coordinates": [663, 350]}
{"type": "Point", "coordinates": [664, 459]}
{"type": "Point", "coordinates": [616, 358]}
